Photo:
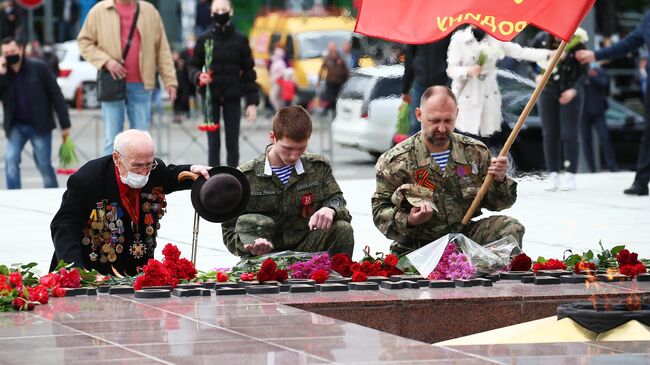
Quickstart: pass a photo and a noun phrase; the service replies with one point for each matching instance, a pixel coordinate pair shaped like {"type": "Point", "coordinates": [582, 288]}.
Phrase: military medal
{"type": "Point", "coordinates": [474, 168]}
{"type": "Point", "coordinates": [307, 201]}
{"type": "Point", "coordinates": [93, 256]}
{"type": "Point", "coordinates": [422, 178]}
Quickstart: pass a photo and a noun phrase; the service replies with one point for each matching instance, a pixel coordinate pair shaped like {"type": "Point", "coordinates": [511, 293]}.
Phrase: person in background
{"type": "Point", "coordinates": [230, 74]}
{"type": "Point", "coordinates": [335, 72]}
{"type": "Point", "coordinates": [48, 55]}
{"type": "Point", "coordinates": [637, 38]}
{"type": "Point", "coordinates": [287, 87]}
{"type": "Point", "coordinates": [276, 71]}
{"type": "Point", "coordinates": [29, 94]}
{"type": "Point", "coordinates": [425, 65]}
{"type": "Point", "coordinates": [593, 116]}
{"type": "Point", "coordinates": [186, 88]}
{"type": "Point", "coordinates": [67, 14]}
{"type": "Point", "coordinates": [9, 19]}
{"type": "Point", "coordinates": [102, 44]}
{"type": "Point", "coordinates": [202, 18]}
{"type": "Point", "coordinates": [350, 60]}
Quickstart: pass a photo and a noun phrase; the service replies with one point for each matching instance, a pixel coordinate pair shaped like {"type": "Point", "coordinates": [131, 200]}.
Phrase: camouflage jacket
{"type": "Point", "coordinates": [454, 188]}
{"type": "Point", "coordinates": [285, 204]}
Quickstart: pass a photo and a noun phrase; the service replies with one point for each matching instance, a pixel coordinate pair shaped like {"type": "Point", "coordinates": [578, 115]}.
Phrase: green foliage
{"type": "Point", "coordinates": [402, 126]}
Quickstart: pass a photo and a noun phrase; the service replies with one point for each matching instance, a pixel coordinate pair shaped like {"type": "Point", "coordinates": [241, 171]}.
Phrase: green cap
{"type": "Point", "coordinates": [250, 227]}
{"type": "Point", "coordinates": [412, 195]}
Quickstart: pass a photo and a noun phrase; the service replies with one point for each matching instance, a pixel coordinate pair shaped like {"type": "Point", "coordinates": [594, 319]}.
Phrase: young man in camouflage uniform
{"type": "Point", "coordinates": [295, 202]}
{"type": "Point", "coordinates": [418, 160]}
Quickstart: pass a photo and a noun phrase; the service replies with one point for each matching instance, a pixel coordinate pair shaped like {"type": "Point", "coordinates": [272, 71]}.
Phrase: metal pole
{"type": "Point", "coordinates": [30, 25]}
{"type": "Point", "coordinates": [47, 24]}
{"type": "Point", "coordinates": [195, 236]}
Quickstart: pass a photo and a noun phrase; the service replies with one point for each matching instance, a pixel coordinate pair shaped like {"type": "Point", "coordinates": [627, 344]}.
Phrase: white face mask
{"type": "Point", "coordinates": [135, 181]}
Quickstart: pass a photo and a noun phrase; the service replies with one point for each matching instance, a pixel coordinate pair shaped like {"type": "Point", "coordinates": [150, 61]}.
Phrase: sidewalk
{"type": "Point", "coordinates": [554, 221]}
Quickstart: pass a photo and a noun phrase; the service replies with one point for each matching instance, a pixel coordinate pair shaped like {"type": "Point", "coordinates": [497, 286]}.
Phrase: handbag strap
{"type": "Point", "coordinates": [131, 31]}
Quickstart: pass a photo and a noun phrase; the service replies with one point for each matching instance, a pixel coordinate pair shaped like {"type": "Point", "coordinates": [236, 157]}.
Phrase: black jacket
{"type": "Point", "coordinates": [94, 183]}
{"type": "Point", "coordinates": [596, 89]}
{"type": "Point", "coordinates": [45, 96]}
{"type": "Point", "coordinates": [570, 73]}
{"type": "Point", "coordinates": [233, 75]}
{"type": "Point", "coordinates": [427, 64]}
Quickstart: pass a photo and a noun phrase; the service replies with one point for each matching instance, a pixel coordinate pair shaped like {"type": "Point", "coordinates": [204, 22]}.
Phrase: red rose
{"type": "Point", "coordinates": [320, 275]}
{"type": "Point", "coordinates": [553, 264]}
{"type": "Point", "coordinates": [340, 259]}
{"type": "Point", "coordinates": [344, 270]}
{"type": "Point", "coordinates": [584, 266]}
{"type": "Point", "coordinates": [521, 262]}
{"type": "Point", "coordinates": [366, 266]}
{"type": "Point", "coordinates": [391, 260]}
{"type": "Point", "coordinates": [628, 270]}
{"type": "Point", "coordinates": [538, 266]}
{"type": "Point", "coordinates": [263, 276]}
{"type": "Point", "coordinates": [137, 284]}
{"type": "Point", "coordinates": [58, 291]}
{"type": "Point", "coordinates": [269, 266]}
{"type": "Point", "coordinates": [222, 277]}
{"type": "Point", "coordinates": [16, 279]}
{"type": "Point", "coordinates": [171, 252]}
{"type": "Point", "coordinates": [623, 257]}
{"type": "Point", "coordinates": [355, 267]}
{"type": "Point", "coordinates": [281, 275]}
{"type": "Point", "coordinates": [640, 268]}
{"type": "Point", "coordinates": [359, 276]}
{"type": "Point", "coordinates": [21, 304]}
{"type": "Point", "coordinates": [70, 279]}
{"type": "Point", "coordinates": [50, 280]}
{"type": "Point", "coordinates": [39, 294]}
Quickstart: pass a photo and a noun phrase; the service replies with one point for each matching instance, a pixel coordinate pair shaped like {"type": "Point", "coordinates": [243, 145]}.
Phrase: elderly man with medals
{"type": "Point", "coordinates": [110, 213]}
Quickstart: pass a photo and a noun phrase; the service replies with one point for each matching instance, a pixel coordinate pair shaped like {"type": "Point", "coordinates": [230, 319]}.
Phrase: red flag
{"type": "Point", "coordinates": [425, 21]}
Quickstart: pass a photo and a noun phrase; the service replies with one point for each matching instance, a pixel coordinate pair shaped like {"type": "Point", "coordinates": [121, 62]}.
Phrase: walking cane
{"type": "Point", "coordinates": [515, 131]}
{"type": "Point", "coordinates": [195, 228]}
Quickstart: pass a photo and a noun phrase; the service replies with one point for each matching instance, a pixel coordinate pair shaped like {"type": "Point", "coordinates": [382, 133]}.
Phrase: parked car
{"type": "Point", "coordinates": [366, 109]}
{"type": "Point", "coordinates": [366, 114]}
{"type": "Point", "coordinates": [77, 78]}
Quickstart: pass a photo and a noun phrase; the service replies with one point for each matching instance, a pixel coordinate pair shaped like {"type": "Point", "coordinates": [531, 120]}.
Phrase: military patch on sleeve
{"type": "Point", "coordinates": [334, 202]}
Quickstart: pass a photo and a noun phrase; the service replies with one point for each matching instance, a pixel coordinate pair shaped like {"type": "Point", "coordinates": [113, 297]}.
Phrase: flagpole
{"type": "Point", "coordinates": [515, 131]}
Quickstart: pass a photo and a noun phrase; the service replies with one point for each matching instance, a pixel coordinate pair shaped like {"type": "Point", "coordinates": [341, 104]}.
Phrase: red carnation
{"type": "Point", "coordinates": [171, 252]}
{"type": "Point", "coordinates": [263, 276]}
{"type": "Point", "coordinates": [58, 291]}
{"type": "Point", "coordinates": [39, 294]}
{"type": "Point", "coordinates": [584, 266]}
{"type": "Point", "coordinates": [222, 277]}
{"type": "Point", "coordinates": [553, 264]}
{"type": "Point", "coordinates": [359, 276]}
{"type": "Point", "coordinates": [21, 303]}
{"type": "Point", "coordinates": [521, 262]}
{"type": "Point", "coordinates": [366, 266]}
{"type": "Point", "coordinates": [281, 275]}
{"type": "Point", "coordinates": [538, 266]}
{"type": "Point", "coordinates": [269, 266]}
{"type": "Point", "coordinates": [340, 259]}
{"type": "Point", "coordinates": [50, 280]}
{"type": "Point", "coordinates": [70, 279]}
{"type": "Point", "coordinates": [355, 267]}
{"type": "Point", "coordinates": [623, 257]}
{"type": "Point", "coordinates": [628, 270]}
{"type": "Point", "coordinates": [640, 268]}
{"type": "Point", "coordinates": [16, 279]}
{"type": "Point", "coordinates": [391, 260]}
{"type": "Point", "coordinates": [320, 275]}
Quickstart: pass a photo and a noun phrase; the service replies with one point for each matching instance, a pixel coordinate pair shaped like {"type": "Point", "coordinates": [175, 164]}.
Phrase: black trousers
{"type": "Point", "coordinates": [231, 122]}
{"type": "Point", "coordinates": [642, 176]}
{"type": "Point", "coordinates": [560, 128]}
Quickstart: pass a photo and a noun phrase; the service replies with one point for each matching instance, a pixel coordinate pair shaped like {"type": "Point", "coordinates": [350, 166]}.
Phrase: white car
{"type": "Point", "coordinates": [77, 78]}
{"type": "Point", "coordinates": [366, 109]}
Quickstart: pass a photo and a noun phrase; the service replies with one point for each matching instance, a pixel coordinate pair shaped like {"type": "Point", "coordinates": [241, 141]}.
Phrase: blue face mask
{"type": "Point", "coordinates": [135, 181]}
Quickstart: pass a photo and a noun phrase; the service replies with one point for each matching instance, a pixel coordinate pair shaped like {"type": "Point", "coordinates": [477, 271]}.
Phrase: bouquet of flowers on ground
{"type": "Point", "coordinates": [382, 265]}
{"type": "Point", "coordinates": [453, 265]}
{"type": "Point", "coordinates": [171, 271]}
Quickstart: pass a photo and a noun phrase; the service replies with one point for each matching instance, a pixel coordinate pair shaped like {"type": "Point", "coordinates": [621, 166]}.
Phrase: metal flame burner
{"type": "Point", "coordinates": [601, 317]}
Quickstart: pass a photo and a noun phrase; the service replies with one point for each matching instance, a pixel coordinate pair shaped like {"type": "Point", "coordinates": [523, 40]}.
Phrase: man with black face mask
{"type": "Point", "coordinates": [222, 66]}
{"type": "Point", "coordinates": [29, 92]}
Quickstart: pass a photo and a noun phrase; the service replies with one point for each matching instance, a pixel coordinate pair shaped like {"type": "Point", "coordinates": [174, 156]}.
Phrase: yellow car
{"type": "Point", "coordinates": [304, 39]}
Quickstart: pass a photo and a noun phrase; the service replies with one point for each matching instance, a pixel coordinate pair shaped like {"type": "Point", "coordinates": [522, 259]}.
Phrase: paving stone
{"type": "Point", "coordinates": [192, 292]}
{"type": "Point", "coordinates": [326, 287]}
{"type": "Point", "coordinates": [576, 279]}
{"type": "Point", "coordinates": [643, 277]}
{"type": "Point", "coordinates": [493, 278]}
{"type": "Point", "coordinates": [528, 279]}
{"type": "Point", "coordinates": [206, 292]}
{"type": "Point", "coordinates": [411, 285]}
{"type": "Point", "coordinates": [210, 284]}
{"type": "Point", "coordinates": [377, 279]}
{"type": "Point", "coordinates": [406, 277]}
{"type": "Point", "coordinates": [284, 288]}
{"type": "Point", "coordinates": [364, 286]}
{"type": "Point", "coordinates": [73, 292]}
{"type": "Point", "coordinates": [424, 283]}
{"type": "Point", "coordinates": [189, 286]}
{"type": "Point", "coordinates": [553, 273]}
{"type": "Point", "coordinates": [262, 289]}
{"type": "Point", "coordinates": [546, 280]}
{"type": "Point", "coordinates": [103, 289]}
{"type": "Point", "coordinates": [338, 281]}
{"type": "Point", "coordinates": [437, 284]}
{"type": "Point", "coordinates": [271, 282]}
{"type": "Point", "coordinates": [230, 291]}
{"type": "Point", "coordinates": [484, 281]}
{"type": "Point", "coordinates": [166, 287]}
{"type": "Point", "coordinates": [302, 288]}
{"type": "Point", "coordinates": [121, 289]}
{"type": "Point", "coordinates": [465, 283]}
{"type": "Point", "coordinates": [153, 293]}
{"type": "Point", "coordinates": [243, 284]}
{"type": "Point", "coordinates": [392, 284]}
{"type": "Point", "coordinates": [225, 285]}
{"type": "Point", "coordinates": [90, 291]}
{"type": "Point", "coordinates": [514, 275]}
{"type": "Point", "coordinates": [612, 277]}
{"type": "Point", "coordinates": [300, 281]}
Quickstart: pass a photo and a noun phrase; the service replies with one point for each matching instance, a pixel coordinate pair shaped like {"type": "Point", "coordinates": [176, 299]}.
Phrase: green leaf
{"type": "Point", "coordinates": [615, 250]}
{"type": "Point", "coordinates": [28, 266]}
{"type": "Point", "coordinates": [573, 260]}
{"type": "Point", "coordinates": [4, 270]}
{"type": "Point", "coordinates": [541, 260]}
{"type": "Point", "coordinates": [589, 255]}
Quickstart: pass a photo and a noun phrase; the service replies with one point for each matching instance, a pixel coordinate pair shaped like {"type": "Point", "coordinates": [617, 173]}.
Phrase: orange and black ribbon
{"type": "Point", "coordinates": [422, 179]}
{"type": "Point", "coordinates": [307, 201]}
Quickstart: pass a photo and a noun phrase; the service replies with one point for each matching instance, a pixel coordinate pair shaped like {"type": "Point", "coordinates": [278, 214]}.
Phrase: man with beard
{"type": "Point", "coordinates": [426, 183]}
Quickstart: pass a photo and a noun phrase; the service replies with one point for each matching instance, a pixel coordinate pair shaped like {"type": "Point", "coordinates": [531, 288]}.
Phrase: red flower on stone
{"type": "Point", "coordinates": [359, 276]}
{"type": "Point", "coordinates": [640, 268]}
{"type": "Point", "coordinates": [538, 266]}
{"type": "Point", "coordinates": [50, 280]}
{"type": "Point", "coordinates": [21, 303]}
{"type": "Point", "coordinates": [58, 291]}
{"type": "Point", "coordinates": [16, 279]}
{"type": "Point", "coordinates": [263, 276]}
{"type": "Point", "coordinates": [355, 267]}
{"type": "Point", "coordinates": [222, 277]}
{"type": "Point", "coordinates": [623, 257]}
{"type": "Point", "coordinates": [171, 252]}
{"type": "Point", "coordinates": [39, 294]}
{"type": "Point", "coordinates": [269, 266]}
{"type": "Point", "coordinates": [521, 262]}
{"type": "Point", "coordinates": [70, 279]}
{"type": "Point", "coordinates": [628, 270]}
{"type": "Point", "coordinates": [320, 275]}
{"type": "Point", "coordinates": [553, 264]}
{"type": "Point", "coordinates": [391, 260]}
{"type": "Point", "coordinates": [281, 275]}
{"type": "Point", "coordinates": [584, 266]}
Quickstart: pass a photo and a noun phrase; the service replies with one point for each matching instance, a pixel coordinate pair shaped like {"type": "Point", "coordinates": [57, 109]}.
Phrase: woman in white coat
{"type": "Point", "coordinates": [472, 59]}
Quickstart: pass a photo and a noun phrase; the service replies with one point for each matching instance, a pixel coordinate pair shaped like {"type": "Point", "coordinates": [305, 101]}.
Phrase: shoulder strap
{"type": "Point", "coordinates": [128, 40]}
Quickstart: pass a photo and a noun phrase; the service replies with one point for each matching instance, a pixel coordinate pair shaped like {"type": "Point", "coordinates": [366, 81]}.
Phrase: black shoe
{"type": "Point", "coordinates": [636, 189]}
